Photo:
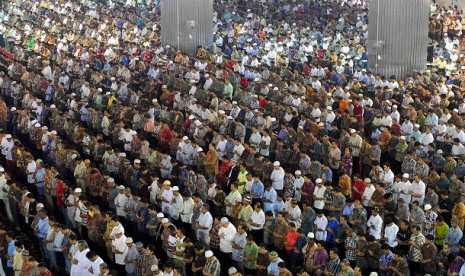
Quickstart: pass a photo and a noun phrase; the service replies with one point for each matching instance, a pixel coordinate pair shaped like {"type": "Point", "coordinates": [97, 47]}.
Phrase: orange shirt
{"type": "Point", "coordinates": [346, 185]}
{"type": "Point", "coordinates": [343, 105]}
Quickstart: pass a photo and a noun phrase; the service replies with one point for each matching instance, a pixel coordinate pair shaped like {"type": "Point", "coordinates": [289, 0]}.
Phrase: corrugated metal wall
{"type": "Point", "coordinates": [397, 36]}
{"type": "Point", "coordinates": [176, 30]}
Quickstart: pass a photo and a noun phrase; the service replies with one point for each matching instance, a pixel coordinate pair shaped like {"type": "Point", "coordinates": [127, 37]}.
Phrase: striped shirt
{"type": "Point", "coordinates": [213, 267]}
{"type": "Point", "coordinates": [415, 253]}
{"type": "Point", "coordinates": [334, 266]}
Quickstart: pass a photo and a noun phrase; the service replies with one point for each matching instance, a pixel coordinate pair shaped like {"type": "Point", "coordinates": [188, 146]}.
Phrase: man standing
{"type": "Point", "coordinates": [277, 177]}
{"type": "Point", "coordinates": [131, 257]}
{"type": "Point", "coordinates": [238, 245]}
{"type": "Point", "coordinates": [375, 223]}
{"type": "Point", "coordinates": [119, 248]}
{"type": "Point", "coordinates": [226, 233]}
{"type": "Point", "coordinates": [204, 224]}
{"type": "Point", "coordinates": [416, 242]}
{"type": "Point", "coordinates": [212, 266]}
{"type": "Point", "coordinates": [94, 263]}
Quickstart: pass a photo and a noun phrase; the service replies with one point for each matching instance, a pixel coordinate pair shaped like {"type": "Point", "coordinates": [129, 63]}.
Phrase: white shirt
{"type": "Point", "coordinates": [2, 186]}
{"type": "Point", "coordinates": [418, 188]}
{"type": "Point", "coordinates": [168, 195]}
{"type": "Point", "coordinates": [116, 229]}
{"type": "Point", "coordinates": [120, 245]}
{"type": "Point", "coordinates": [277, 178]}
{"type": "Point", "coordinates": [226, 236]}
{"type": "Point", "coordinates": [7, 147]}
{"type": "Point", "coordinates": [390, 233]}
{"type": "Point", "coordinates": [387, 177]}
{"type": "Point", "coordinates": [205, 220]}
{"type": "Point", "coordinates": [176, 206]}
{"type": "Point", "coordinates": [403, 189]}
{"type": "Point", "coordinates": [31, 169]}
{"type": "Point", "coordinates": [426, 139]}
{"type": "Point", "coordinates": [120, 202]}
{"type": "Point", "coordinates": [258, 218]}
{"type": "Point", "coordinates": [83, 263]}
{"type": "Point", "coordinates": [321, 223]}
{"type": "Point", "coordinates": [295, 213]}
{"type": "Point", "coordinates": [319, 193]}
{"type": "Point", "coordinates": [377, 222]}
{"type": "Point", "coordinates": [95, 265]}
{"type": "Point", "coordinates": [153, 192]}
{"type": "Point", "coordinates": [368, 193]}
{"type": "Point", "coordinates": [187, 210]}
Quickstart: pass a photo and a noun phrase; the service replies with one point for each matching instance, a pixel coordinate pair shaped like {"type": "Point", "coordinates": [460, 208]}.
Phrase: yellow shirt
{"type": "Point", "coordinates": [242, 179]}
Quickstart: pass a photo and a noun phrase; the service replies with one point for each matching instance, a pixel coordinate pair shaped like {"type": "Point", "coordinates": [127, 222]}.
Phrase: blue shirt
{"type": "Point", "coordinates": [258, 188]}
{"type": "Point", "coordinates": [348, 210]}
{"type": "Point", "coordinates": [42, 226]}
{"type": "Point", "coordinates": [329, 175]}
{"type": "Point", "coordinates": [278, 207]}
{"type": "Point", "coordinates": [11, 251]}
{"type": "Point", "coordinates": [84, 114]}
{"type": "Point", "coordinates": [272, 196]}
{"type": "Point", "coordinates": [273, 268]}
{"type": "Point", "coordinates": [40, 177]}
{"type": "Point", "coordinates": [333, 224]}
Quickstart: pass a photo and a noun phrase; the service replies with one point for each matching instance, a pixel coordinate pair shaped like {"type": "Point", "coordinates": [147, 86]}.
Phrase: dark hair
{"type": "Point", "coordinates": [90, 254]}
{"type": "Point", "coordinates": [335, 250]}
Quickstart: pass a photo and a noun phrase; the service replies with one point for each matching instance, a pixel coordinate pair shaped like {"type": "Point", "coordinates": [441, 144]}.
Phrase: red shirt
{"type": "Point", "coordinates": [262, 103]}
{"type": "Point", "coordinates": [360, 185]}
{"type": "Point", "coordinates": [224, 168]}
{"type": "Point", "coordinates": [291, 239]}
{"type": "Point", "coordinates": [60, 190]}
{"type": "Point", "coordinates": [48, 273]}
{"type": "Point", "coordinates": [395, 129]}
{"type": "Point", "coordinates": [244, 82]}
{"type": "Point", "coordinates": [358, 112]}
{"type": "Point", "coordinates": [166, 135]}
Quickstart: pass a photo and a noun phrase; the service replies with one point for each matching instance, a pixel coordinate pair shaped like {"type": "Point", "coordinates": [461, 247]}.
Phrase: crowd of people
{"type": "Point", "coordinates": [273, 152]}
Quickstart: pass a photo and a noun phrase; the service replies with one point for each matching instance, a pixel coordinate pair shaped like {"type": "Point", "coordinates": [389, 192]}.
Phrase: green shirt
{"type": "Point", "coordinates": [245, 213]}
{"type": "Point", "coordinates": [242, 179]}
{"type": "Point", "coordinates": [441, 232]}
{"type": "Point", "coordinates": [251, 254]}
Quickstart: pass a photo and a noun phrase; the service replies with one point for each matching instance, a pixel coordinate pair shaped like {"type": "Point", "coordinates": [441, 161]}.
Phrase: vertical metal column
{"type": "Point", "coordinates": [397, 36]}
{"type": "Point", "coordinates": [186, 24]}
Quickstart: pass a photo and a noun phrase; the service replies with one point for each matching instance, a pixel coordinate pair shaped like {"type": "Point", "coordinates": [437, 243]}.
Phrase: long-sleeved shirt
{"type": "Point", "coordinates": [11, 251]}
{"type": "Point", "coordinates": [226, 236]}
{"type": "Point", "coordinates": [375, 223]}
{"type": "Point", "coordinates": [390, 233]}
{"type": "Point", "coordinates": [42, 227]}
{"type": "Point", "coordinates": [57, 241]}
{"type": "Point", "coordinates": [453, 238]}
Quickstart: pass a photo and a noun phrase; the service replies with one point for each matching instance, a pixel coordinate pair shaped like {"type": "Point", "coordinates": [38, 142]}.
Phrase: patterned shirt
{"type": "Point", "coordinates": [214, 237]}
{"type": "Point", "coordinates": [238, 253]}
{"type": "Point", "coordinates": [140, 261]}
{"type": "Point", "coordinates": [415, 253]}
{"type": "Point", "coordinates": [334, 266]}
{"type": "Point", "coordinates": [386, 260]}
{"type": "Point", "coordinates": [213, 267]}
{"type": "Point", "coordinates": [351, 242]}
{"type": "Point", "coordinates": [430, 223]}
